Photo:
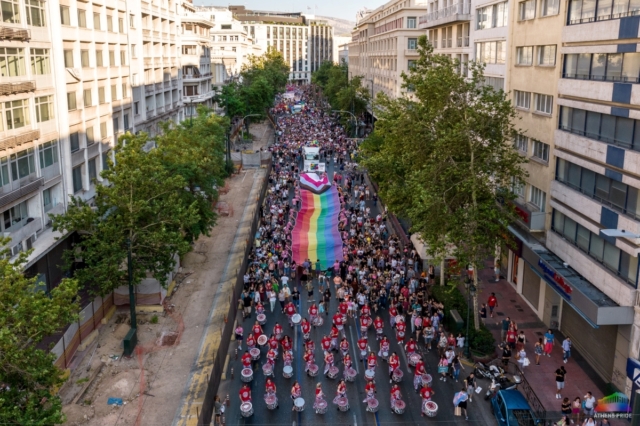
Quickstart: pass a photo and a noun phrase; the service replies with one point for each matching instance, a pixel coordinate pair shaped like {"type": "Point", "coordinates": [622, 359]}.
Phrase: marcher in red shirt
{"type": "Point", "coordinates": [246, 360]}
{"type": "Point", "coordinates": [493, 303]}
{"type": "Point", "coordinates": [245, 393]}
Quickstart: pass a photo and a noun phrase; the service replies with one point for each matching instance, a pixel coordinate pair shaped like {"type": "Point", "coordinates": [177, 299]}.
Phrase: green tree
{"type": "Point", "coordinates": [231, 99]}
{"type": "Point", "coordinates": [443, 156]}
{"type": "Point", "coordinates": [143, 204]}
{"type": "Point", "coordinates": [196, 151]}
{"type": "Point", "coordinates": [262, 78]}
{"type": "Point", "coordinates": [28, 315]}
{"type": "Point", "coordinates": [354, 97]}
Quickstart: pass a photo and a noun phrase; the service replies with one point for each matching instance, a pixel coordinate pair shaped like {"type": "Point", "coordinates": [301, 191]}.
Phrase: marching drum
{"type": "Point", "coordinates": [262, 340]}
{"type": "Point", "coordinates": [313, 370]}
{"type": "Point", "coordinates": [333, 372]}
{"type": "Point", "coordinates": [318, 321]}
{"type": "Point", "coordinates": [363, 354]}
{"type": "Point", "coordinates": [343, 404]}
{"type": "Point", "coordinates": [385, 356]}
{"type": "Point", "coordinates": [413, 359]}
{"type": "Point", "coordinates": [349, 374]}
{"type": "Point", "coordinates": [298, 404]}
{"type": "Point", "coordinates": [372, 405]}
{"type": "Point", "coordinates": [271, 400]}
{"type": "Point", "coordinates": [369, 375]}
{"type": "Point", "coordinates": [255, 354]}
{"type": "Point", "coordinates": [306, 336]}
{"type": "Point", "coordinates": [426, 379]}
{"type": "Point", "coordinates": [246, 409]}
{"type": "Point", "coordinates": [262, 319]}
{"type": "Point", "coordinates": [246, 375]}
{"type": "Point", "coordinates": [267, 369]}
{"type": "Point", "coordinates": [399, 406]}
{"type": "Point", "coordinates": [321, 406]}
{"type": "Point", "coordinates": [397, 375]}
{"type": "Point", "coordinates": [296, 318]}
{"type": "Point", "coordinates": [287, 371]}
{"type": "Point", "coordinates": [399, 318]}
{"type": "Point", "coordinates": [430, 408]}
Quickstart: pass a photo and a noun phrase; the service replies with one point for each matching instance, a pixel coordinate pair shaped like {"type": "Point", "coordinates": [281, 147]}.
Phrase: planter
{"type": "Point", "coordinates": [483, 358]}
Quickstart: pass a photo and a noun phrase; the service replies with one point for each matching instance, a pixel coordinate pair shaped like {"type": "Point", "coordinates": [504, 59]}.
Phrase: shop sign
{"type": "Point", "coordinates": [556, 279]}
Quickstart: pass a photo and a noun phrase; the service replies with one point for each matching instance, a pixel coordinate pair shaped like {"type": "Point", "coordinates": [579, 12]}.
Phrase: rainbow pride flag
{"type": "Point", "coordinates": [315, 235]}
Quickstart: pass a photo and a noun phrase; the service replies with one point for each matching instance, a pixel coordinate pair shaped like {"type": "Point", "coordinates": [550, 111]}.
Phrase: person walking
{"type": "Point", "coordinates": [218, 409]}
{"type": "Point", "coordinates": [470, 384]}
{"type": "Point", "coordinates": [589, 404]}
{"type": "Point", "coordinates": [506, 354]}
{"type": "Point", "coordinates": [538, 350]}
{"type": "Point", "coordinates": [566, 408]}
{"type": "Point", "coordinates": [493, 303]}
{"type": "Point", "coordinates": [548, 342]}
{"type": "Point", "coordinates": [460, 401]}
{"type": "Point", "coordinates": [560, 376]}
{"type": "Point", "coordinates": [576, 406]}
{"type": "Point", "coordinates": [505, 323]}
{"type": "Point", "coordinates": [566, 349]}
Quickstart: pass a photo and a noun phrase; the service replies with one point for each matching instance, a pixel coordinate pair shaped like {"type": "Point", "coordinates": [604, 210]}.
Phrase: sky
{"type": "Point", "coordinates": [344, 9]}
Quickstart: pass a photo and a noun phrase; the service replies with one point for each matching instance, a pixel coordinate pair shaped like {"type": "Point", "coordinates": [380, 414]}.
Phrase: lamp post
{"type": "Point", "coordinates": [348, 112]}
{"type": "Point", "coordinates": [250, 115]}
{"type": "Point", "coordinates": [471, 290]}
{"type": "Point", "coordinates": [131, 339]}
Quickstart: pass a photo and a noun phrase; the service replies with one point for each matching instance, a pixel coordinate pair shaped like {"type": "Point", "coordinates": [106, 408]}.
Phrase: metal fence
{"type": "Point", "coordinates": [524, 387]}
{"type": "Point", "coordinates": [223, 349]}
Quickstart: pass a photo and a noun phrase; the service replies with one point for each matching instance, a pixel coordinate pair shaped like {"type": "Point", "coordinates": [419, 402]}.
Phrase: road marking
{"type": "Point", "coordinates": [355, 349]}
{"type": "Point", "coordinates": [355, 421]}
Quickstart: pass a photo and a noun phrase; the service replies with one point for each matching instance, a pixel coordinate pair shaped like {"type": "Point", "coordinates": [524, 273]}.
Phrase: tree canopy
{"type": "Point", "coordinates": [28, 315]}
{"type": "Point", "coordinates": [443, 156]}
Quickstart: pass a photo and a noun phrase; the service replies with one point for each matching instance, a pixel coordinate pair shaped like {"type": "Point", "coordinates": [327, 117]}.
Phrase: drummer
{"type": "Point", "coordinates": [362, 345]}
{"type": "Point", "coordinates": [369, 390]}
{"type": "Point", "coordinates": [257, 330]}
{"type": "Point", "coordinates": [334, 338]}
{"type": "Point", "coordinates": [419, 372]}
{"type": "Point", "coordinates": [378, 324]}
{"type": "Point", "coordinates": [395, 394]}
{"type": "Point", "coordinates": [342, 389]}
{"type": "Point", "coordinates": [313, 313]}
{"type": "Point", "coordinates": [287, 357]}
{"type": "Point", "coordinates": [365, 321]}
{"type": "Point", "coordinates": [401, 328]}
{"type": "Point", "coordinates": [308, 359]}
{"type": "Point", "coordinates": [326, 343]}
{"type": "Point", "coordinates": [365, 310]}
{"type": "Point", "coordinates": [259, 308]}
{"type": "Point", "coordinates": [277, 330]}
{"type": "Point", "coordinates": [273, 343]}
{"type": "Point", "coordinates": [426, 393]}
{"type": "Point", "coordinates": [372, 361]}
{"type": "Point", "coordinates": [310, 344]}
{"type": "Point", "coordinates": [306, 328]}
{"type": "Point", "coordinates": [344, 346]}
{"type": "Point", "coordinates": [394, 362]}
{"type": "Point", "coordinates": [338, 321]}
{"type": "Point", "coordinates": [343, 308]}
{"type": "Point", "coordinates": [384, 346]}
{"type": "Point", "coordinates": [245, 393]}
{"type": "Point", "coordinates": [319, 396]}
{"type": "Point", "coordinates": [290, 310]}
{"type": "Point", "coordinates": [410, 347]}
{"type": "Point", "coordinates": [246, 360]}
{"type": "Point", "coordinates": [393, 313]}
{"type": "Point", "coordinates": [271, 357]}
{"type": "Point", "coordinates": [296, 392]}
{"type": "Point", "coordinates": [347, 361]}
{"type": "Point", "coordinates": [287, 344]}
{"type": "Point", "coordinates": [239, 332]}
{"type": "Point", "coordinates": [270, 387]}
{"type": "Point", "coordinates": [328, 361]}
{"type": "Point", "coordinates": [251, 341]}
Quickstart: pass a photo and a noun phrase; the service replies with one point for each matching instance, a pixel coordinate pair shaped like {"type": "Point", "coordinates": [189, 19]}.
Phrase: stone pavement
{"type": "Point", "coordinates": [580, 378]}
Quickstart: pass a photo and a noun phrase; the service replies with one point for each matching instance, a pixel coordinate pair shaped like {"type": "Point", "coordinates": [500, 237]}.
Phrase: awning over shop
{"type": "Point", "coordinates": [592, 304]}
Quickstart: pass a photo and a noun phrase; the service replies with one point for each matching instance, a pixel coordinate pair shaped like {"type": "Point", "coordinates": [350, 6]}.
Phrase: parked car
{"type": "Point", "coordinates": [512, 409]}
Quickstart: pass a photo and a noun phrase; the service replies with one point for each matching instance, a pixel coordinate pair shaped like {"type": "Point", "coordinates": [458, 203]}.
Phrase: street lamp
{"type": "Point", "coordinates": [348, 112]}
{"type": "Point", "coordinates": [131, 339]}
{"type": "Point", "coordinates": [471, 290]}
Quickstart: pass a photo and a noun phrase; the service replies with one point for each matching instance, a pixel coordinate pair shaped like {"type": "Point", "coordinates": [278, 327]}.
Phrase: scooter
{"type": "Point", "coordinates": [496, 386]}
{"type": "Point", "coordinates": [488, 372]}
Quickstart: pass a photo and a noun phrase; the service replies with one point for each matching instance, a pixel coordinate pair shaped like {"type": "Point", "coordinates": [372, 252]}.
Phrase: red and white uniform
{"type": "Point", "coordinates": [347, 361]}
{"type": "Point", "coordinates": [251, 341]}
{"type": "Point", "coordinates": [328, 361]}
{"type": "Point", "coordinates": [395, 394]}
{"type": "Point", "coordinates": [366, 310]}
{"type": "Point", "coordinates": [394, 362]}
{"type": "Point", "coordinates": [365, 322]}
{"type": "Point", "coordinates": [308, 359]}
{"type": "Point", "coordinates": [306, 326]}
{"type": "Point", "coordinates": [343, 307]}
{"type": "Point", "coordinates": [277, 330]}
{"type": "Point", "coordinates": [271, 357]}
{"type": "Point", "coordinates": [257, 331]}
{"type": "Point", "coordinates": [378, 324]}
{"type": "Point", "coordinates": [384, 346]}
{"type": "Point", "coordinates": [313, 312]}
{"type": "Point", "coordinates": [362, 345]}
{"type": "Point", "coordinates": [296, 391]}
{"type": "Point", "coordinates": [401, 327]}
{"type": "Point", "coordinates": [393, 313]}
{"type": "Point", "coordinates": [410, 347]}
{"type": "Point", "coordinates": [287, 357]}
{"type": "Point", "coordinates": [286, 343]}
{"type": "Point", "coordinates": [426, 393]}
{"type": "Point", "coordinates": [334, 337]}
{"type": "Point", "coordinates": [344, 347]}
{"type": "Point", "coordinates": [372, 361]}
{"type": "Point", "coordinates": [338, 320]}
{"type": "Point", "coordinates": [417, 377]}
{"type": "Point", "coordinates": [370, 391]}
{"type": "Point", "coordinates": [273, 343]}
{"type": "Point", "coordinates": [290, 310]}
{"type": "Point", "coordinates": [246, 360]}
{"type": "Point", "coordinates": [245, 394]}
{"type": "Point", "coordinates": [259, 308]}
{"type": "Point", "coordinates": [326, 343]}
{"type": "Point", "coordinates": [342, 390]}
{"type": "Point", "coordinates": [270, 387]}
{"type": "Point", "coordinates": [310, 345]}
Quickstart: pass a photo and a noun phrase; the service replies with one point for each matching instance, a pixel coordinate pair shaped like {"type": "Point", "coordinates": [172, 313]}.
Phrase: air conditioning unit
{"type": "Point", "coordinates": [32, 239]}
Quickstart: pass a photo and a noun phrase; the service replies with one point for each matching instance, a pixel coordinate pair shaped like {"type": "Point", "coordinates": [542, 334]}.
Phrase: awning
{"type": "Point", "coordinates": [589, 302]}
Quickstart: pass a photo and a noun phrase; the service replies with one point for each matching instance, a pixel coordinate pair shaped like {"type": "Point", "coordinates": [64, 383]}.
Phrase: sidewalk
{"type": "Point", "coordinates": [580, 378]}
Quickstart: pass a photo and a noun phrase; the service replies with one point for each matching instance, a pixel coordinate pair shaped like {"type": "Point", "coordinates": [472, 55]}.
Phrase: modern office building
{"type": "Point", "coordinates": [384, 44]}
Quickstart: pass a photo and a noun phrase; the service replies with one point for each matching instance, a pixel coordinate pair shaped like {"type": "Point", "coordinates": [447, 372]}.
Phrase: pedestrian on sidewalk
{"type": "Point", "coordinates": [538, 349]}
{"type": "Point", "coordinates": [483, 311]}
{"type": "Point", "coordinates": [272, 299]}
{"type": "Point", "coordinates": [505, 323]}
{"type": "Point", "coordinates": [566, 349]}
{"type": "Point", "coordinates": [506, 354]}
{"type": "Point", "coordinates": [566, 408]}
{"type": "Point", "coordinates": [460, 401]}
{"type": "Point", "coordinates": [496, 271]}
{"type": "Point", "coordinates": [564, 421]}
{"type": "Point", "coordinates": [560, 376]}
{"type": "Point", "coordinates": [520, 341]}
{"type": "Point", "coordinates": [548, 342]}
{"type": "Point", "coordinates": [589, 404]}
{"type": "Point", "coordinates": [470, 384]}
{"type": "Point", "coordinates": [576, 406]}
{"type": "Point", "coordinates": [281, 299]}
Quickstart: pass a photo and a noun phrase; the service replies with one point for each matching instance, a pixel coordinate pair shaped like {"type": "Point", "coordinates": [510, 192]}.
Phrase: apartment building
{"type": "Point", "coordinates": [447, 24]}
{"type": "Point", "coordinates": [384, 44]}
{"type": "Point", "coordinates": [304, 41]}
{"type": "Point", "coordinates": [489, 40]}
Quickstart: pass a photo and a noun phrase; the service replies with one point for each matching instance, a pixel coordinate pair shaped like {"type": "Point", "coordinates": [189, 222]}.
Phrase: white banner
{"type": "Point", "coordinates": [314, 166]}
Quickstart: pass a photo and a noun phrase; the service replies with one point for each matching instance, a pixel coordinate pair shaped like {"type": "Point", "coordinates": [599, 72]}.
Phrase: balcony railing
{"type": "Point", "coordinates": [22, 230]}
{"type": "Point", "coordinates": [19, 189]}
{"type": "Point", "coordinates": [51, 172]}
{"type": "Point", "coordinates": [463, 42]}
{"type": "Point", "coordinates": [7, 33]}
{"type": "Point", "coordinates": [458, 11]}
{"type": "Point", "coordinates": [534, 220]}
{"type": "Point", "coordinates": [149, 88]}
{"type": "Point", "coordinates": [20, 87]}
{"type": "Point", "coordinates": [18, 140]}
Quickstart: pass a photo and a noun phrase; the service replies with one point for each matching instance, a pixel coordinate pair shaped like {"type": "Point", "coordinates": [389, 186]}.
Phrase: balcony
{"type": "Point", "coordinates": [20, 188]}
{"type": "Point", "coordinates": [195, 77]}
{"type": "Point", "coordinates": [149, 88]}
{"type": "Point", "coordinates": [22, 230]}
{"type": "Point", "coordinates": [447, 15]}
{"type": "Point", "coordinates": [197, 98]}
{"type": "Point", "coordinates": [21, 87]}
{"type": "Point", "coordinates": [77, 157]}
{"type": "Point", "coordinates": [50, 172]}
{"type": "Point", "coordinates": [93, 150]}
{"type": "Point", "coordinates": [7, 33]}
{"type": "Point", "coordinates": [533, 220]}
{"type": "Point", "coordinates": [462, 42]}
{"type": "Point", "coordinates": [159, 86]}
{"type": "Point", "coordinates": [13, 141]}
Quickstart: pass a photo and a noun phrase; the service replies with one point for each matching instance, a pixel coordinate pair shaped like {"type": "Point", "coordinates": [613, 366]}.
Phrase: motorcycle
{"type": "Point", "coordinates": [488, 372]}
{"type": "Point", "coordinates": [496, 386]}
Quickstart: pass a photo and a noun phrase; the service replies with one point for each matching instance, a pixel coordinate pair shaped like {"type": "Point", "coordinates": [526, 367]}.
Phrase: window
{"type": "Point", "coordinates": [89, 136]}
{"type": "Point", "coordinates": [549, 7]}
{"type": "Point", "coordinates": [581, 11]}
{"type": "Point", "coordinates": [109, 23]}
{"type": "Point", "coordinates": [541, 150]}
{"type": "Point", "coordinates": [544, 103]}
{"type": "Point", "coordinates": [40, 62]}
{"type": "Point", "coordinates": [136, 108]}
{"type": "Point", "coordinates": [64, 15]}
{"type": "Point", "coordinates": [492, 16]}
{"type": "Point", "coordinates": [116, 125]}
{"type": "Point", "coordinates": [68, 58]}
{"type": "Point", "coordinates": [77, 179]}
{"type": "Point", "coordinates": [103, 129]}
{"type": "Point", "coordinates": [101, 95]}
{"type": "Point", "coordinates": [44, 108]}
{"type": "Point", "coordinates": [123, 58]}
{"type": "Point", "coordinates": [82, 18]}
{"type": "Point", "coordinates": [497, 83]}
{"type": "Point", "coordinates": [524, 55]}
{"type": "Point", "coordinates": [92, 170]}
{"type": "Point", "coordinates": [48, 154]}
{"type": "Point", "coordinates": [133, 51]}
{"type": "Point", "coordinates": [12, 62]}
{"type": "Point", "coordinates": [74, 141]}
{"type": "Point", "coordinates": [523, 99]}
{"type": "Point", "coordinates": [121, 25]}
{"type": "Point", "coordinates": [623, 67]}
{"type": "Point", "coordinates": [125, 122]}
{"type": "Point", "coordinates": [17, 113]}
{"type": "Point", "coordinates": [538, 198]}
{"type": "Point", "coordinates": [105, 160]}
{"type": "Point", "coordinates": [14, 216]}
{"type": "Point", "coordinates": [112, 58]}
{"type": "Point", "coordinates": [132, 21]}
{"type": "Point", "coordinates": [492, 52]}
{"type": "Point", "coordinates": [526, 10]}
{"type": "Point", "coordinates": [99, 58]}
{"type": "Point", "coordinates": [10, 11]}
{"type": "Point", "coordinates": [71, 101]}
{"type": "Point", "coordinates": [411, 64]}
{"type": "Point", "coordinates": [84, 59]}
{"type": "Point", "coordinates": [411, 22]}
{"type": "Point", "coordinates": [86, 96]}
{"type": "Point", "coordinates": [522, 143]}
{"type": "Point", "coordinates": [189, 49]}
{"type": "Point", "coordinates": [412, 43]}
{"type": "Point", "coordinates": [4, 171]}
{"type": "Point", "coordinates": [23, 164]}
{"type": "Point", "coordinates": [46, 199]}
{"type": "Point", "coordinates": [36, 13]}
{"type": "Point", "coordinates": [547, 55]}
{"type": "Point", "coordinates": [96, 21]}
{"type": "Point", "coordinates": [114, 92]}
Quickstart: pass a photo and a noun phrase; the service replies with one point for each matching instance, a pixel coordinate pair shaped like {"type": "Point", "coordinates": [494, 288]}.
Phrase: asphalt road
{"type": "Point", "coordinates": [479, 411]}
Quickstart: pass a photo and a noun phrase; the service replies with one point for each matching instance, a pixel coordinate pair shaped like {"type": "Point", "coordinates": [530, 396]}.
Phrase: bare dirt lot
{"type": "Point", "coordinates": [151, 383]}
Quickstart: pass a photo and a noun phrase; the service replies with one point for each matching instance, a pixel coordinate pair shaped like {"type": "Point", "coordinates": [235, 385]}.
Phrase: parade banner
{"type": "Point", "coordinates": [315, 235]}
{"type": "Point", "coordinates": [314, 166]}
